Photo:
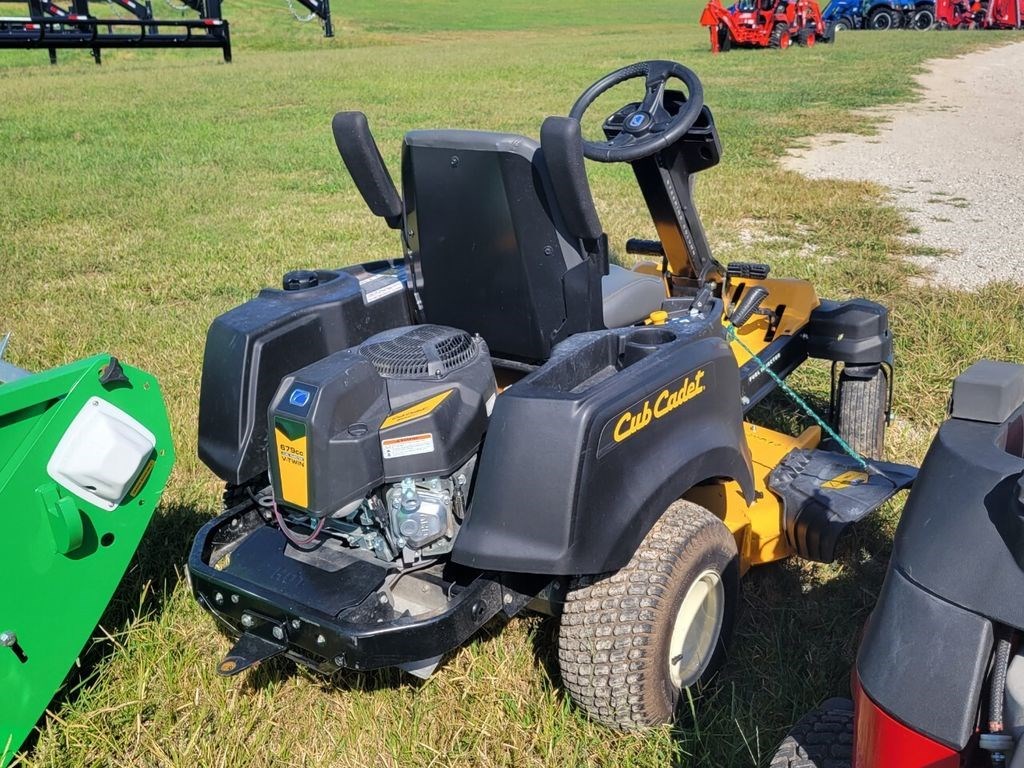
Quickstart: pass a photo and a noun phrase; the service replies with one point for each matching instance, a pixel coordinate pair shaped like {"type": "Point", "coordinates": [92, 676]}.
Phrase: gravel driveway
{"type": "Point", "coordinates": [954, 162]}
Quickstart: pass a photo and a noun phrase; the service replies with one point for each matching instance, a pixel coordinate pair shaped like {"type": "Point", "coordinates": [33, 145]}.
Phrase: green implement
{"type": "Point", "coordinates": [85, 453]}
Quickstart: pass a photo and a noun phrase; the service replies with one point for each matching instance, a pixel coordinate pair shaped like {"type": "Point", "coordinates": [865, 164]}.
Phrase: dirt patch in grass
{"type": "Point", "coordinates": [953, 162]}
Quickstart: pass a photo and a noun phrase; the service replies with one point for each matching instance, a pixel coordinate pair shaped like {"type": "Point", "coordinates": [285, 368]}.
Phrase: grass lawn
{"type": "Point", "coordinates": [143, 197]}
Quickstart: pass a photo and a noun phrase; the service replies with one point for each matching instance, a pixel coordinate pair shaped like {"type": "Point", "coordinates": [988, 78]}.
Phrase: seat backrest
{"type": "Point", "coordinates": [489, 247]}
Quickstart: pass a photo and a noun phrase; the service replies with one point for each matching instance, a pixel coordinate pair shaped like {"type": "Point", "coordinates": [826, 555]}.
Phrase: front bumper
{"type": "Point", "coordinates": [330, 608]}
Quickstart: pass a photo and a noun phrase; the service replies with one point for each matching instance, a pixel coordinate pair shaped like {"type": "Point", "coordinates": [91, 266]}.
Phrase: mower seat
{"type": "Point", "coordinates": [492, 252]}
{"type": "Point", "coordinates": [628, 297]}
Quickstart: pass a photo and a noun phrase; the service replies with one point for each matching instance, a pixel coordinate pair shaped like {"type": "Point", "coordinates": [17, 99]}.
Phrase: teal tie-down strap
{"type": "Point", "coordinates": [733, 336]}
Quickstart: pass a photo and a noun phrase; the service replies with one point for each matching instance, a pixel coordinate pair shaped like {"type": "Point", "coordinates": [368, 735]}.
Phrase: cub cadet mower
{"type": "Point", "coordinates": [939, 677]}
{"type": "Point", "coordinates": [502, 419]}
{"type": "Point", "coordinates": [765, 24]}
{"type": "Point", "coordinates": [85, 452]}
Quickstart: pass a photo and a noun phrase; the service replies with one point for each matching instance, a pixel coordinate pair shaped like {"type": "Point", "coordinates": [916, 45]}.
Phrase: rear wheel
{"type": "Point", "coordinates": [822, 739]}
{"type": "Point", "coordinates": [923, 19]}
{"type": "Point", "coordinates": [632, 640]}
{"type": "Point", "coordinates": [860, 411]}
{"type": "Point", "coordinates": [780, 37]}
{"type": "Point", "coordinates": [882, 18]}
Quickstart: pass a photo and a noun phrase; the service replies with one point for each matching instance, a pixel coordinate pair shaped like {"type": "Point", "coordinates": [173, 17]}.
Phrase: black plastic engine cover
{"type": "Point", "coordinates": [409, 402]}
{"type": "Point", "coordinates": [250, 348]}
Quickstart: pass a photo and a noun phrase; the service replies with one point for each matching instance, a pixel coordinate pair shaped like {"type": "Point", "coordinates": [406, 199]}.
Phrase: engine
{"type": "Point", "coordinates": [376, 445]}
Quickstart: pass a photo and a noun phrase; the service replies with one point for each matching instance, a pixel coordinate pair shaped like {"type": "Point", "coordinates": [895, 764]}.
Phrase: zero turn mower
{"type": "Point", "coordinates": [85, 452]}
{"type": "Point", "coordinates": [503, 420]}
{"type": "Point", "coordinates": [765, 24]}
{"type": "Point", "coordinates": [939, 677]}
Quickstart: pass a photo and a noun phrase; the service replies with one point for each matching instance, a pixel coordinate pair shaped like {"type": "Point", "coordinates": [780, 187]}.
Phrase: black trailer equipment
{"type": "Point", "coordinates": [52, 27]}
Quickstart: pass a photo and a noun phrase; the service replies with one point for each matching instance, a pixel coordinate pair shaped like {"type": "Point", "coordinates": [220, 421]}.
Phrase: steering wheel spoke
{"type": "Point", "coordinates": [624, 139]}
{"type": "Point", "coordinates": [651, 127]}
{"type": "Point", "coordinates": [654, 100]}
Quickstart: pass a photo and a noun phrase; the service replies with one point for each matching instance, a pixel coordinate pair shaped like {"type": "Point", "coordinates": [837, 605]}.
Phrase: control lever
{"type": "Point", "coordinates": [748, 305]}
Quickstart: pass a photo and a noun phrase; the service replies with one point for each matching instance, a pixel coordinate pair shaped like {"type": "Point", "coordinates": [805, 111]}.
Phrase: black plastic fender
{"type": "Point", "coordinates": [855, 332]}
{"type": "Point", "coordinates": [583, 455]}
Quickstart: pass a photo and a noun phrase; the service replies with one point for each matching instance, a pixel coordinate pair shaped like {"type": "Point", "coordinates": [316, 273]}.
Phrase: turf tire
{"type": "Point", "coordinates": [822, 739]}
{"type": "Point", "coordinates": [860, 412]}
{"type": "Point", "coordinates": [616, 628]}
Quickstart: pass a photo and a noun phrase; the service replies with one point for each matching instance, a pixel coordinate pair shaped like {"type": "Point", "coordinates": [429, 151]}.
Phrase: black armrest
{"type": "Point", "coordinates": [562, 145]}
{"type": "Point", "coordinates": [366, 166]}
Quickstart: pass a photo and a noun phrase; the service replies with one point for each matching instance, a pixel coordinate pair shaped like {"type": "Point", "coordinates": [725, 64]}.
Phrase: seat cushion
{"type": "Point", "coordinates": [629, 297]}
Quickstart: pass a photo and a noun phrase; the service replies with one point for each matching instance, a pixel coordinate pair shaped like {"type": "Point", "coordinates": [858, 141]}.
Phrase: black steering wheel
{"type": "Point", "coordinates": [650, 128]}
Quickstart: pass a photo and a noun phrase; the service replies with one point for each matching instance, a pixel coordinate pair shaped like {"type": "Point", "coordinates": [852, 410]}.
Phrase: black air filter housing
{"type": "Point", "coordinates": [408, 402]}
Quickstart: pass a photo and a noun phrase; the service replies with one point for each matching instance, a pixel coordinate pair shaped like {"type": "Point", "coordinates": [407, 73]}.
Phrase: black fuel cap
{"type": "Point", "coordinates": [300, 279]}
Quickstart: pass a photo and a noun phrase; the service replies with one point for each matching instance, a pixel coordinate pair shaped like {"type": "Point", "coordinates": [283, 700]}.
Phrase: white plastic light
{"type": "Point", "coordinates": [102, 453]}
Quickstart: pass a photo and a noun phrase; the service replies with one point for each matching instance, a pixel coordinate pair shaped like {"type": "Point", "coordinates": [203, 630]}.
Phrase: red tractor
{"type": "Point", "coordinates": [764, 24]}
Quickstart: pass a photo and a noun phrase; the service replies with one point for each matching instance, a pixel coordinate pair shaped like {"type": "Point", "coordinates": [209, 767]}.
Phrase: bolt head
{"type": "Point", "coordinates": [278, 633]}
{"type": "Point", "coordinates": [234, 599]}
{"type": "Point", "coordinates": [296, 624]}
{"type": "Point", "coordinates": [321, 640]}
{"type": "Point", "coordinates": [507, 599]}
{"type": "Point", "coordinates": [247, 620]}
{"type": "Point", "coordinates": [218, 599]}
{"type": "Point", "coordinates": [8, 639]}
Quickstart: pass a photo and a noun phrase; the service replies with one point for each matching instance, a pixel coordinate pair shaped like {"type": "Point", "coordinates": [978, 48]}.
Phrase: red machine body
{"type": "Point", "coordinates": [879, 741]}
{"type": "Point", "coordinates": [1005, 14]}
{"type": "Point", "coordinates": [764, 24]}
{"type": "Point", "coordinates": [979, 14]}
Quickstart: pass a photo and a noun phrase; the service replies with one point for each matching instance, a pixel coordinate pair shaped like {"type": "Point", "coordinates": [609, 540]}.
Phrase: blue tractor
{"type": "Point", "coordinates": [879, 14]}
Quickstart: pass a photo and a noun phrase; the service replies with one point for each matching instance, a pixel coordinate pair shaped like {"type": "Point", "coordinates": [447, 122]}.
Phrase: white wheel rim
{"type": "Point", "coordinates": [696, 630]}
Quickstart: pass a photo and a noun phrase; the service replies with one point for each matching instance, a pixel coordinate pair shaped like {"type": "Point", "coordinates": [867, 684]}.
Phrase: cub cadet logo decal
{"type": "Point", "coordinates": [666, 401]}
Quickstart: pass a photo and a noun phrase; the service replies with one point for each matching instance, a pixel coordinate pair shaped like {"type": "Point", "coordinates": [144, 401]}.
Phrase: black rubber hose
{"type": "Point", "coordinates": [997, 691]}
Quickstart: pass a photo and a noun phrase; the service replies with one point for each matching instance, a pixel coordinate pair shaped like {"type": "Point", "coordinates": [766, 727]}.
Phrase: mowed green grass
{"type": "Point", "coordinates": [142, 198]}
